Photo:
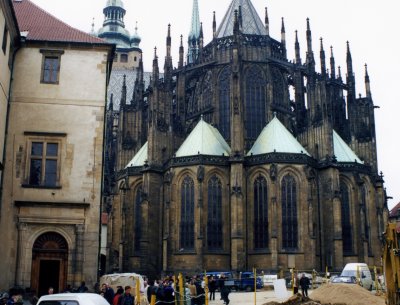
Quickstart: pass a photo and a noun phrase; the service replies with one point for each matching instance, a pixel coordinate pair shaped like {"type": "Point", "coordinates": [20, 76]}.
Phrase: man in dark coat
{"type": "Point", "coordinates": [304, 284]}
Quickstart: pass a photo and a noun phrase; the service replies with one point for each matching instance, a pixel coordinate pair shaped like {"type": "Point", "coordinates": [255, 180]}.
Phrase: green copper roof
{"type": "Point", "coordinates": [276, 138]}
{"type": "Point", "coordinates": [195, 25]}
{"type": "Point", "coordinates": [342, 151]}
{"type": "Point", "coordinates": [140, 157]}
{"type": "Point", "coordinates": [251, 22]}
{"type": "Point", "coordinates": [204, 140]}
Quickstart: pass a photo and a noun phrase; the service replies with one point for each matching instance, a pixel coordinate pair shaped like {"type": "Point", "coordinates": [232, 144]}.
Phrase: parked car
{"type": "Point", "coordinates": [344, 279]}
{"type": "Point", "coordinates": [72, 299]}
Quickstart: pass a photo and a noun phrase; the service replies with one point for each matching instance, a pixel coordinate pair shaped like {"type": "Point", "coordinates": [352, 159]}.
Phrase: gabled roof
{"type": "Point", "coordinates": [276, 138]}
{"type": "Point", "coordinates": [251, 22]}
{"type": "Point", "coordinates": [395, 211]}
{"type": "Point", "coordinates": [42, 26]}
{"type": "Point", "coordinates": [204, 140]}
{"type": "Point", "coordinates": [140, 157]}
{"type": "Point", "coordinates": [342, 151]}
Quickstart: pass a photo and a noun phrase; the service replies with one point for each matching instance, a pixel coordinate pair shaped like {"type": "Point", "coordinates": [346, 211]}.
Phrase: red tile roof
{"type": "Point", "coordinates": [394, 212]}
{"type": "Point", "coordinates": [42, 26]}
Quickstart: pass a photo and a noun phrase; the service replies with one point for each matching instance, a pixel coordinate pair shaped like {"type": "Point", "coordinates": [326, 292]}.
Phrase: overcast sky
{"type": "Point", "coordinates": [372, 28]}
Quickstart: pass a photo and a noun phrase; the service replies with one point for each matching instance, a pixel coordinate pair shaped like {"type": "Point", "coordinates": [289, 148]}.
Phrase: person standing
{"type": "Point", "coordinates": [109, 293]}
{"type": "Point", "coordinates": [212, 286]}
{"type": "Point", "coordinates": [304, 283]}
{"type": "Point", "coordinates": [118, 294]}
{"type": "Point", "coordinates": [126, 298]}
{"type": "Point", "coordinates": [225, 290]}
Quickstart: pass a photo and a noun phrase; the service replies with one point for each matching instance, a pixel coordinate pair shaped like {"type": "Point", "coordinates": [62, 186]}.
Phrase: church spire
{"type": "Point", "coordinates": [181, 51]}
{"type": "Point", "coordinates": [156, 72]}
{"type": "Point", "coordinates": [266, 21]}
{"type": "Point", "coordinates": [367, 83]}
{"type": "Point", "coordinates": [194, 34]}
{"type": "Point", "coordinates": [310, 54]}
{"type": "Point", "coordinates": [332, 61]}
{"type": "Point", "coordinates": [214, 25]}
{"type": "Point", "coordinates": [283, 36]}
{"type": "Point", "coordinates": [297, 49]}
{"type": "Point", "coordinates": [349, 61]}
{"type": "Point", "coordinates": [322, 58]}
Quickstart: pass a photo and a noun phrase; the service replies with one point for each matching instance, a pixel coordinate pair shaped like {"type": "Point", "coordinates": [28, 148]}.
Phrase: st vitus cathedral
{"type": "Point", "coordinates": [239, 157]}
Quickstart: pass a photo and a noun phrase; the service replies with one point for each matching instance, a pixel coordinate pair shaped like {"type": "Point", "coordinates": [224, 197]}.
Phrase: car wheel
{"type": "Point", "coordinates": [248, 288]}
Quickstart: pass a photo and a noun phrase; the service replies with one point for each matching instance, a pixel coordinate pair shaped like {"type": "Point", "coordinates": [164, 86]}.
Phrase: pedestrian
{"type": "Point", "coordinates": [225, 290]}
{"type": "Point", "coordinates": [50, 290]}
{"type": "Point", "coordinates": [304, 283]}
{"type": "Point", "coordinates": [108, 293]}
{"type": "Point", "coordinates": [193, 292]}
{"type": "Point", "coordinates": [126, 298]}
{"type": "Point", "coordinates": [82, 287]}
{"type": "Point", "coordinates": [117, 295]}
{"type": "Point", "coordinates": [212, 286]}
{"type": "Point", "coordinates": [295, 283]}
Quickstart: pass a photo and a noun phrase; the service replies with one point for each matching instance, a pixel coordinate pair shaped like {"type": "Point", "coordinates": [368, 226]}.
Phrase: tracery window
{"type": "Point", "coordinates": [289, 213]}
{"type": "Point", "coordinates": [346, 220]}
{"type": "Point", "coordinates": [224, 82]}
{"type": "Point", "coordinates": [187, 214]}
{"type": "Point", "coordinates": [260, 213]}
{"type": "Point", "coordinates": [214, 217]}
{"type": "Point", "coordinates": [207, 91]}
{"type": "Point", "coordinates": [365, 214]}
{"type": "Point", "coordinates": [255, 103]}
{"type": "Point", "coordinates": [138, 218]}
{"type": "Point", "coordinates": [278, 87]}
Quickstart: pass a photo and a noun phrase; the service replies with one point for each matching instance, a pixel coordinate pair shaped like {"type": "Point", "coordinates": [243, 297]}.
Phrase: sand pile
{"type": "Point", "coordinates": [335, 294]}
{"type": "Point", "coordinates": [347, 294]}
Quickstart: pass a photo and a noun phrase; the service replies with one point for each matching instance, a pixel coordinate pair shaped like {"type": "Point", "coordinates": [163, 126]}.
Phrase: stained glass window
{"type": "Point", "coordinates": [289, 213]}
{"type": "Point", "coordinates": [214, 217]}
{"type": "Point", "coordinates": [187, 215]}
{"type": "Point", "coordinates": [224, 82]}
{"type": "Point", "coordinates": [346, 221]}
{"type": "Point", "coordinates": [260, 213]}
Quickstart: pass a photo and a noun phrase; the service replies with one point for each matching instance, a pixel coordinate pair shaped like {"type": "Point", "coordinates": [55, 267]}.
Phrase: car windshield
{"type": "Point", "coordinates": [348, 273]}
{"type": "Point", "coordinates": [58, 303]}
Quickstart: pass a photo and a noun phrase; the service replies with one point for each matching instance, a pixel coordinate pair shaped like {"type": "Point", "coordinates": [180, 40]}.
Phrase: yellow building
{"type": "Point", "coordinates": [50, 212]}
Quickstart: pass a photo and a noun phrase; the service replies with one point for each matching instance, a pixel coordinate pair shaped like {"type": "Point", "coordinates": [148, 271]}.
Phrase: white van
{"type": "Point", "coordinates": [361, 272]}
{"type": "Point", "coordinates": [72, 299]}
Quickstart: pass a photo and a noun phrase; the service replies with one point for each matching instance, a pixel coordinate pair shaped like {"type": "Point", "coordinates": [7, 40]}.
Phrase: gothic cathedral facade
{"type": "Point", "coordinates": [240, 158]}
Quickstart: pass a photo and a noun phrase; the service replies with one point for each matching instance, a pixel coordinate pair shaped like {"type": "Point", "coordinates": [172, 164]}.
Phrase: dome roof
{"type": "Point", "coordinates": [115, 3]}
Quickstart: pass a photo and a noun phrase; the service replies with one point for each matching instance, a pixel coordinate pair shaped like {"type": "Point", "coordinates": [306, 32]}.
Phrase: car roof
{"type": "Point", "coordinates": [83, 298]}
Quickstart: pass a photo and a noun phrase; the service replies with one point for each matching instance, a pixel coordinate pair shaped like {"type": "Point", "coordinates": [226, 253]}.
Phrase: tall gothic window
{"type": "Point", "coordinates": [366, 218]}
{"type": "Point", "coordinates": [207, 90]}
{"type": "Point", "coordinates": [346, 221]}
{"type": "Point", "coordinates": [224, 83]}
{"type": "Point", "coordinates": [187, 214]}
{"type": "Point", "coordinates": [289, 213]}
{"type": "Point", "coordinates": [260, 213]}
{"type": "Point", "coordinates": [255, 103]}
{"type": "Point", "coordinates": [138, 218]}
{"type": "Point", "coordinates": [214, 219]}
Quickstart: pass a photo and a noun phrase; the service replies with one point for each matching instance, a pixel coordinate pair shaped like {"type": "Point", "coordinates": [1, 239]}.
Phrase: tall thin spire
{"type": "Point", "coordinates": [310, 54]}
{"type": "Point", "coordinates": [156, 72]}
{"type": "Point", "coordinates": [283, 36]}
{"type": "Point", "coordinates": [367, 83]}
{"type": "Point", "coordinates": [297, 49]}
{"type": "Point", "coordinates": [214, 25]}
{"type": "Point", "coordinates": [322, 58]}
{"type": "Point", "coordinates": [332, 61]}
{"type": "Point", "coordinates": [266, 21]}
{"type": "Point", "coordinates": [181, 51]}
{"type": "Point", "coordinates": [194, 34]}
{"type": "Point", "coordinates": [349, 61]}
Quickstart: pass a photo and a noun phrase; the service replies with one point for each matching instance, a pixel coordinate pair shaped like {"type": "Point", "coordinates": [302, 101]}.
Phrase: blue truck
{"type": "Point", "coordinates": [245, 280]}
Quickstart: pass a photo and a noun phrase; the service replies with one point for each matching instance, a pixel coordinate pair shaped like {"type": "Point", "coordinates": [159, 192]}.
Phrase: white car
{"type": "Point", "coordinates": [72, 299]}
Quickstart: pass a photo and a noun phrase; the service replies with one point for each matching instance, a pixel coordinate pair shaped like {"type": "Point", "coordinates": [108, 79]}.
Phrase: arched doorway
{"type": "Point", "coordinates": [49, 263]}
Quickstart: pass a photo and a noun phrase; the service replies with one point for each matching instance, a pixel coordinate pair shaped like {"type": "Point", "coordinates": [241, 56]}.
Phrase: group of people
{"type": "Point", "coordinates": [165, 292]}
{"type": "Point", "coordinates": [304, 284]}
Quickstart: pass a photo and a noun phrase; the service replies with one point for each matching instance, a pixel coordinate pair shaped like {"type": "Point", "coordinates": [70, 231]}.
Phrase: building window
{"type": "Point", "coordinates": [214, 217]}
{"type": "Point", "coordinates": [43, 159]}
{"type": "Point", "coordinates": [51, 62]}
{"type": "Point", "coordinates": [5, 35]}
{"type": "Point", "coordinates": [187, 215]}
{"type": "Point", "coordinates": [115, 57]}
{"type": "Point", "coordinates": [138, 218]}
{"type": "Point", "coordinates": [289, 213]}
{"type": "Point", "coordinates": [123, 58]}
{"type": "Point", "coordinates": [224, 82]}
{"type": "Point", "coordinates": [346, 219]}
{"type": "Point", "coordinates": [255, 105]}
{"type": "Point", "coordinates": [364, 206]}
{"type": "Point", "coordinates": [135, 59]}
{"type": "Point", "coordinates": [260, 213]}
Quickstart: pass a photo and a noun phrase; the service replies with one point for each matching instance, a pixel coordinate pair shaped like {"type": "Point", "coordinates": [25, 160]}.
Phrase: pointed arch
{"type": "Point", "coordinates": [347, 238]}
{"type": "Point", "coordinates": [224, 85]}
{"type": "Point", "coordinates": [214, 214]}
{"type": "Point", "coordinates": [255, 104]}
{"type": "Point", "coordinates": [138, 218]}
{"type": "Point", "coordinates": [260, 213]}
{"type": "Point", "coordinates": [187, 214]}
{"type": "Point", "coordinates": [289, 213]}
